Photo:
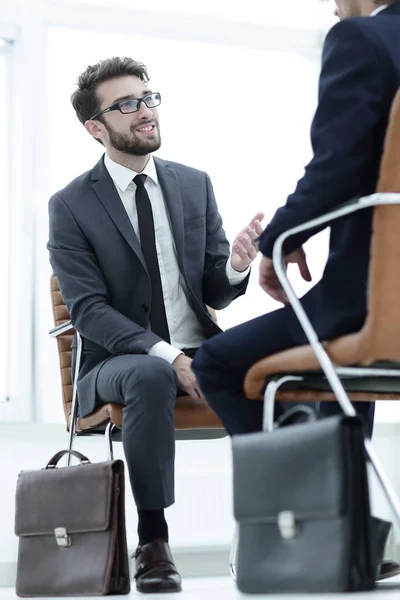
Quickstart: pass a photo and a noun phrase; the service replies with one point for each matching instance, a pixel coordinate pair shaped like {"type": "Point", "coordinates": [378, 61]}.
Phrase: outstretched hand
{"type": "Point", "coordinates": [245, 246]}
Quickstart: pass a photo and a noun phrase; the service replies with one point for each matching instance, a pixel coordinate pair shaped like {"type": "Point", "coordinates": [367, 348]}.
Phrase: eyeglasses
{"type": "Point", "coordinates": [131, 105]}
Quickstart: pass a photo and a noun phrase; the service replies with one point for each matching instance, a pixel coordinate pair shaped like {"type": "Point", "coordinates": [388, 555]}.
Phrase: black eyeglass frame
{"type": "Point", "coordinates": [117, 105]}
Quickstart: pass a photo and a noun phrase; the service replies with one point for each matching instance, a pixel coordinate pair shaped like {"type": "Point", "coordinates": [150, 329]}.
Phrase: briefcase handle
{"type": "Point", "coordinates": [57, 457]}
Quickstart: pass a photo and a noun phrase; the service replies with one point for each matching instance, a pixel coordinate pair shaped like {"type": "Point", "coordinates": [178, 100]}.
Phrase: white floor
{"type": "Point", "coordinates": [223, 588]}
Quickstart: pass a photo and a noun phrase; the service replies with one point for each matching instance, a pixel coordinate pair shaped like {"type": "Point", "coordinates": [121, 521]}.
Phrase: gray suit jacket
{"type": "Point", "coordinates": [102, 274]}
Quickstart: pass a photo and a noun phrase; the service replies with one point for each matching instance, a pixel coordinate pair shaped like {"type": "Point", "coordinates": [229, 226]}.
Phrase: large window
{"type": "Point", "coordinates": [241, 114]}
{"type": "Point", "coordinates": [17, 165]}
{"type": "Point", "coordinates": [235, 104]}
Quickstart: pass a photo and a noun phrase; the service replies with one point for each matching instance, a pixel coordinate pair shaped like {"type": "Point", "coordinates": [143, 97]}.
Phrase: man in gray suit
{"type": "Point", "coordinates": [138, 249]}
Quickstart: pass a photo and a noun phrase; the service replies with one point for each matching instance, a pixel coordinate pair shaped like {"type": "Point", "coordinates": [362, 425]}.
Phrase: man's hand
{"type": "Point", "coordinates": [245, 247]}
{"type": "Point", "coordinates": [270, 282]}
{"type": "Point", "coordinates": [186, 378]}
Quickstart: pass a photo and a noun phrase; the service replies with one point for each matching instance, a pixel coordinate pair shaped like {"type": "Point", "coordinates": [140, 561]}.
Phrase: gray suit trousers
{"type": "Point", "coordinates": [146, 386]}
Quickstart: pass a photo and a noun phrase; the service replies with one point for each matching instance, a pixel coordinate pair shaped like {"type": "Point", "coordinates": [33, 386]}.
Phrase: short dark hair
{"type": "Point", "coordinates": [85, 100]}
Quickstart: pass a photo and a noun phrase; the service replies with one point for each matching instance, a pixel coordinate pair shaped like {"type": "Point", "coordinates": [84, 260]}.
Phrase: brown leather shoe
{"type": "Point", "coordinates": [155, 569]}
{"type": "Point", "coordinates": [388, 568]}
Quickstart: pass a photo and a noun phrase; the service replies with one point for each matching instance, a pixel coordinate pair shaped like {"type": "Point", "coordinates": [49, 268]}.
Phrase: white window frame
{"type": "Point", "coordinates": [25, 138]}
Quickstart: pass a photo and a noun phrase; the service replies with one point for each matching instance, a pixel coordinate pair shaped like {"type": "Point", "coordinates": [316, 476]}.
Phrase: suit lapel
{"type": "Point", "coordinates": [105, 190]}
{"type": "Point", "coordinates": [173, 198]}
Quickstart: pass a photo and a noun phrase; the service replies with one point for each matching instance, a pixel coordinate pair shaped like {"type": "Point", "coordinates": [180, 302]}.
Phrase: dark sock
{"type": "Point", "coordinates": [152, 525]}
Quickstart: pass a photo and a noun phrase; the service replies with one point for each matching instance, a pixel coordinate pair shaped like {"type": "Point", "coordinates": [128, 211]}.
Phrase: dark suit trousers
{"type": "Point", "coordinates": [223, 361]}
{"type": "Point", "coordinates": [146, 387]}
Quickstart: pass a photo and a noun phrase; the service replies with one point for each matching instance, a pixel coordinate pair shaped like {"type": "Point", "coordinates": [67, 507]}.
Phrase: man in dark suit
{"type": "Point", "coordinates": [138, 249]}
{"type": "Point", "coordinates": [359, 79]}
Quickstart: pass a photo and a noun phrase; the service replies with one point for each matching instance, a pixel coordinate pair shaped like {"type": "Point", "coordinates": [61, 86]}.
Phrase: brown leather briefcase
{"type": "Point", "coordinates": [71, 527]}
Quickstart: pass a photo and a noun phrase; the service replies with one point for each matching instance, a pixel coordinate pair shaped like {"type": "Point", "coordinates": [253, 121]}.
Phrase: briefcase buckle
{"type": "Point", "coordinates": [288, 527]}
{"type": "Point", "coordinates": [62, 538]}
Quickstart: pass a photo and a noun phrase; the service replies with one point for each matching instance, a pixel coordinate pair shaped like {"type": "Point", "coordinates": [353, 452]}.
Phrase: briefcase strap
{"type": "Point", "coordinates": [57, 457]}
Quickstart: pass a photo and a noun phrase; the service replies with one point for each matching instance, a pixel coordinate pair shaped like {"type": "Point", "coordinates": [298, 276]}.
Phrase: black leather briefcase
{"type": "Point", "coordinates": [301, 501]}
{"type": "Point", "coordinates": [71, 527]}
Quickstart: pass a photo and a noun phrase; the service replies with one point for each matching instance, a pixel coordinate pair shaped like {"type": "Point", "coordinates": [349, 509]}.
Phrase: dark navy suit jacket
{"type": "Point", "coordinates": [102, 274]}
{"type": "Point", "coordinates": [359, 79]}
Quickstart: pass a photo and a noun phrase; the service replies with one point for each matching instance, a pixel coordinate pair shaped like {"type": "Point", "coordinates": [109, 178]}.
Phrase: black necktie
{"type": "Point", "coordinates": [158, 317]}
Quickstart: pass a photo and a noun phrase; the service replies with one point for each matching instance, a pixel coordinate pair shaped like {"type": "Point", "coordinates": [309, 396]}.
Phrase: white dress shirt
{"type": "Point", "coordinates": [378, 10]}
{"type": "Point", "coordinates": [184, 327]}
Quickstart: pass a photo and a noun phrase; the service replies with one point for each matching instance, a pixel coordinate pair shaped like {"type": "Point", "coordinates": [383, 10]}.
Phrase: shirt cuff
{"type": "Point", "coordinates": [233, 276]}
{"type": "Point", "coordinates": [165, 351]}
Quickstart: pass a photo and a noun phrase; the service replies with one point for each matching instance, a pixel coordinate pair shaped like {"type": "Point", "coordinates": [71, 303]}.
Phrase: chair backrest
{"type": "Point", "coordinates": [189, 415]}
{"type": "Point", "coordinates": [64, 343]}
{"type": "Point", "coordinates": [381, 332]}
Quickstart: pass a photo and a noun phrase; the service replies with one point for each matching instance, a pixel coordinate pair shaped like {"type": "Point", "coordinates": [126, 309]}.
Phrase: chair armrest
{"type": "Point", "coordinates": [277, 254]}
{"type": "Point", "coordinates": [60, 329]}
{"type": "Point", "coordinates": [55, 332]}
{"type": "Point", "coordinates": [378, 199]}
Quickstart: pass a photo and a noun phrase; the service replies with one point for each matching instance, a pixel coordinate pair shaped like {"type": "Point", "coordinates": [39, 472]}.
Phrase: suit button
{"type": "Point", "coordinates": [145, 308]}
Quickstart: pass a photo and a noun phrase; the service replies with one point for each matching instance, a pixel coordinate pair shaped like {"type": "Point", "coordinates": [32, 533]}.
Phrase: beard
{"type": "Point", "coordinates": [354, 8]}
{"type": "Point", "coordinates": [132, 144]}
{"type": "Point", "coordinates": [349, 8]}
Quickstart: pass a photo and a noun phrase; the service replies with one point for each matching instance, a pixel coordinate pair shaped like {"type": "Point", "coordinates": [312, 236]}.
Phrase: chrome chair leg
{"type": "Point", "coordinates": [109, 443]}
{"type": "Point", "coordinates": [233, 554]}
{"type": "Point", "coordinates": [74, 408]}
{"type": "Point", "coordinates": [269, 400]}
{"type": "Point", "coordinates": [71, 435]}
